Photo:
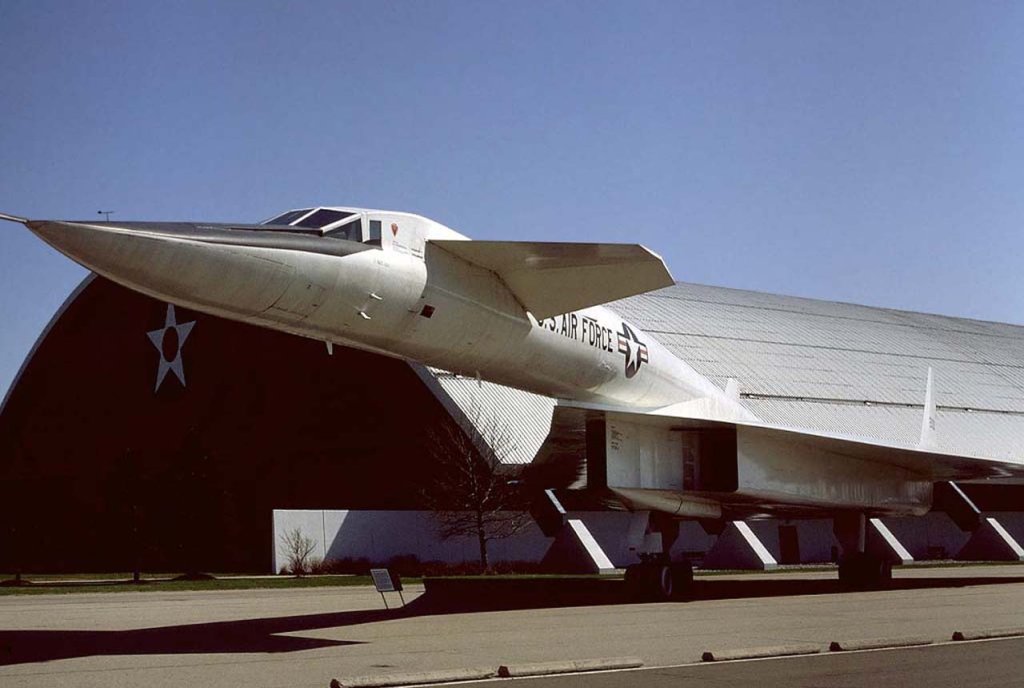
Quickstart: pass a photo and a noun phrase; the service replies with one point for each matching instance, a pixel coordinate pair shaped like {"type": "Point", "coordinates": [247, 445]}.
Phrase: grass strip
{"type": "Point", "coordinates": [54, 587]}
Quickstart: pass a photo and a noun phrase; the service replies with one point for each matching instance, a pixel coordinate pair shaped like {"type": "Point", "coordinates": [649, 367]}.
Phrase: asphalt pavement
{"type": "Point", "coordinates": [988, 664]}
{"type": "Point", "coordinates": [306, 637]}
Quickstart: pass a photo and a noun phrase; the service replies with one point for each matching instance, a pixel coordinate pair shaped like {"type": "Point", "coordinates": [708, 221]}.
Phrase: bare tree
{"type": "Point", "coordinates": [298, 548]}
{"type": "Point", "coordinates": [474, 493]}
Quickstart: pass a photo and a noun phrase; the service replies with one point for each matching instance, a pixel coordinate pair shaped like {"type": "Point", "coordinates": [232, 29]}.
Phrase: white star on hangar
{"type": "Point", "coordinates": [180, 334]}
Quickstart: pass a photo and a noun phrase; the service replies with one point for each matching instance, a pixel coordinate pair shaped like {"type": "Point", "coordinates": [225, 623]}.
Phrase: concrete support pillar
{"type": "Point", "coordinates": [549, 514]}
{"type": "Point", "coordinates": [667, 527]}
{"type": "Point", "coordinates": [991, 542]}
{"type": "Point", "coordinates": [575, 550]}
{"type": "Point", "coordinates": [851, 531]}
{"type": "Point", "coordinates": [884, 544]}
{"type": "Point", "coordinates": [637, 540]}
{"type": "Point", "coordinates": [738, 547]}
{"type": "Point", "coordinates": [951, 499]}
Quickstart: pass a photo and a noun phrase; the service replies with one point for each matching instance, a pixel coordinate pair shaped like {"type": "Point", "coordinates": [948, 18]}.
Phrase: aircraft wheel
{"type": "Point", "coordinates": [649, 582]}
{"type": "Point", "coordinates": [632, 581]}
{"type": "Point", "coordinates": [885, 574]}
{"type": "Point", "coordinates": [682, 579]}
{"type": "Point", "coordinates": [863, 571]}
{"type": "Point", "coordinates": [663, 583]}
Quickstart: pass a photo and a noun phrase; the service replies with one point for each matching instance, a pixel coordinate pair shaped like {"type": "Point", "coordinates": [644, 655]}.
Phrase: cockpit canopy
{"type": "Point", "coordinates": [327, 222]}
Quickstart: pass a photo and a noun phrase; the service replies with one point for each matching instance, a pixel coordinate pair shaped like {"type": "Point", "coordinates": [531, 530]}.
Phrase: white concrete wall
{"type": "Point", "coordinates": [1013, 522]}
{"type": "Point", "coordinates": [932, 536]}
{"type": "Point", "coordinates": [814, 535]}
{"type": "Point", "coordinates": [382, 535]}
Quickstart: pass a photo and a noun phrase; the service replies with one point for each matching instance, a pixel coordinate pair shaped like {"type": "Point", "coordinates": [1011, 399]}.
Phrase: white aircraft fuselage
{"type": "Point", "coordinates": [388, 287]}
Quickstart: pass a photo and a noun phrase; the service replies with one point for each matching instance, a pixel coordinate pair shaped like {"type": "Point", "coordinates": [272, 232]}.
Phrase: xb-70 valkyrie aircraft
{"type": "Point", "coordinates": [659, 437]}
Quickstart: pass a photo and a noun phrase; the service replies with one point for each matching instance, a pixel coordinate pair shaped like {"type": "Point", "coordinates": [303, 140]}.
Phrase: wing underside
{"type": "Point", "coordinates": [682, 464]}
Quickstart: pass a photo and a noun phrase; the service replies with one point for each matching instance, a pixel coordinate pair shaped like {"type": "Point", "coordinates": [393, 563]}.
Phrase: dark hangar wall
{"type": "Point", "coordinates": [97, 468]}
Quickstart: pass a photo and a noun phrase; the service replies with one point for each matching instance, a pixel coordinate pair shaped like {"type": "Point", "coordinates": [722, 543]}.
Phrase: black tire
{"type": "Point", "coordinates": [632, 582]}
{"type": "Point", "coordinates": [885, 574]}
{"type": "Point", "coordinates": [682, 580]}
{"type": "Point", "coordinates": [863, 571]}
{"type": "Point", "coordinates": [648, 582]}
{"type": "Point", "coordinates": [663, 583]}
{"type": "Point", "coordinates": [849, 572]}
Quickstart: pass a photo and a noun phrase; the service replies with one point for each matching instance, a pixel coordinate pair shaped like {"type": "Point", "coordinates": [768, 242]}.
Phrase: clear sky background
{"type": "Point", "coordinates": [853, 151]}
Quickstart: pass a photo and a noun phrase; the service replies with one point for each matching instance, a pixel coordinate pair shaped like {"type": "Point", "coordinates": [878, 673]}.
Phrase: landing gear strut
{"type": "Point", "coordinates": [859, 569]}
{"type": "Point", "coordinates": [656, 579]}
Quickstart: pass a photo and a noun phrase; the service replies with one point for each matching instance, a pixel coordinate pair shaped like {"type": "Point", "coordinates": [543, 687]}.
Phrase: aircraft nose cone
{"type": "Point", "coordinates": [91, 246]}
{"type": "Point", "coordinates": [170, 264]}
{"type": "Point", "coordinates": [120, 254]}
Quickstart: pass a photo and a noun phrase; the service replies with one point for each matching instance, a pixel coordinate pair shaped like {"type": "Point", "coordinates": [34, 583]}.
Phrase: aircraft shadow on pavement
{"type": "Point", "coordinates": [506, 594]}
{"type": "Point", "coordinates": [711, 589]}
{"type": "Point", "coordinates": [249, 635]}
{"type": "Point", "coordinates": [448, 597]}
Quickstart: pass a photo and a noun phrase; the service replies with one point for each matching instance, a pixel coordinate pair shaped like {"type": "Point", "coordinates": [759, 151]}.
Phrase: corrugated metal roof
{"type": "Point", "coordinates": [820, 365]}
{"type": "Point", "coordinates": [846, 368]}
{"type": "Point", "coordinates": [516, 421]}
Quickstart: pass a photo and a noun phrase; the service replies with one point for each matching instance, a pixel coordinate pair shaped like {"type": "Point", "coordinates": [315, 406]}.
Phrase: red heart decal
{"type": "Point", "coordinates": [394, 229]}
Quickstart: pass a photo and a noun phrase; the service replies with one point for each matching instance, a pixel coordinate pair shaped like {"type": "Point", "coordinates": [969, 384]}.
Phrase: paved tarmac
{"type": "Point", "coordinates": [989, 664]}
{"type": "Point", "coordinates": [304, 637]}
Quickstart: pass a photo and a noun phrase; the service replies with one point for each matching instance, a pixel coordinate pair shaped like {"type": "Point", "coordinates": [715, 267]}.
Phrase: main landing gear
{"type": "Point", "coordinates": [859, 568]}
{"type": "Point", "coordinates": [656, 579]}
{"type": "Point", "coordinates": [864, 571]}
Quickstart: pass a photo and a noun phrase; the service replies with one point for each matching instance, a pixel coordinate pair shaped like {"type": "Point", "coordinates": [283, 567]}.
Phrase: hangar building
{"type": "Point", "coordinates": [137, 432]}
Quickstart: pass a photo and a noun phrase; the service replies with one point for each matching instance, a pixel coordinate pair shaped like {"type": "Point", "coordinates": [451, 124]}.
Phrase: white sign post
{"type": "Point", "coordinates": [385, 581]}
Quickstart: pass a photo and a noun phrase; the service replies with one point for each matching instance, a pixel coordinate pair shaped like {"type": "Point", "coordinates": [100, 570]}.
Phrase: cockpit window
{"type": "Point", "coordinates": [353, 231]}
{"type": "Point", "coordinates": [288, 218]}
{"type": "Point", "coordinates": [322, 218]}
{"type": "Point", "coordinates": [320, 222]}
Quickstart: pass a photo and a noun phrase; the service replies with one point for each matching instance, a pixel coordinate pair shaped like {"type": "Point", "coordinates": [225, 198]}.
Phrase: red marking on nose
{"type": "Point", "coordinates": [394, 229]}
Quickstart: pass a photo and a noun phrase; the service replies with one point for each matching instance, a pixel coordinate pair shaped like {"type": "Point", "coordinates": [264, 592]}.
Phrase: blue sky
{"type": "Point", "coordinates": [865, 152]}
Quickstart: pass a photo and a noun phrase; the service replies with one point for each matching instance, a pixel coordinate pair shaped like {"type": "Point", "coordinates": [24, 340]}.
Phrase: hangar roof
{"type": "Point", "coordinates": [832, 367]}
{"type": "Point", "coordinates": [518, 420]}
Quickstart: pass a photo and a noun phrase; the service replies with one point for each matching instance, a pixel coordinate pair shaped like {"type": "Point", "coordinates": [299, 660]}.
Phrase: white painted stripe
{"type": "Point", "coordinates": [891, 540]}
{"type": "Point", "coordinates": [600, 559]}
{"type": "Point", "coordinates": [755, 544]}
{"type": "Point", "coordinates": [1007, 538]}
{"type": "Point", "coordinates": [964, 497]}
{"type": "Point", "coordinates": [554, 501]}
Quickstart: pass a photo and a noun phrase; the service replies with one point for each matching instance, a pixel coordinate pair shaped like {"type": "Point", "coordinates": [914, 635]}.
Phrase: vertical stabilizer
{"type": "Point", "coordinates": [928, 422]}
